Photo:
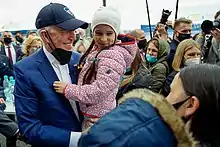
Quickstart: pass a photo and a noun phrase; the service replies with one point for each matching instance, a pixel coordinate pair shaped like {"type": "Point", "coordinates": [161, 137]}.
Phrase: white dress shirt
{"type": "Point", "coordinates": [13, 53]}
{"type": "Point", "coordinates": [62, 72]}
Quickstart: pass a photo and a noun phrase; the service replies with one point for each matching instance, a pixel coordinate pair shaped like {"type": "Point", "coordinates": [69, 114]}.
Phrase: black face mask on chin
{"type": "Point", "coordinates": [63, 56]}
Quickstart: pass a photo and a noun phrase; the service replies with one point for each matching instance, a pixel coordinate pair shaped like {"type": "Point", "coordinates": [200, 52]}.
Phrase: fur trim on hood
{"type": "Point", "coordinates": [167, 112]}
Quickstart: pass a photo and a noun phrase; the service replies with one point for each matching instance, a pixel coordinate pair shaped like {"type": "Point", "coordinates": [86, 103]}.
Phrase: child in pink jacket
{"type": "Point", "coordinates": [104, 64]}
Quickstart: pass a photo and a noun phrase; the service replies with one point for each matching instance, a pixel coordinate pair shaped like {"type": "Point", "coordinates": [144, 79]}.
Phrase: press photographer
{"type": "Point", "coordinates": [160, 31]}
{"type": "Point", "coordinates": [209, 39]}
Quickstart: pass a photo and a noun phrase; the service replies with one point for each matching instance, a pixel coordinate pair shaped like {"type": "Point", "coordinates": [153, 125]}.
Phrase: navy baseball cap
{"type": "Point", "coordinates": [60, 16]}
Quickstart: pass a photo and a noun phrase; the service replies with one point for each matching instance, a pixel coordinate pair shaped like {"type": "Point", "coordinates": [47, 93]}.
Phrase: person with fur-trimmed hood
{"type": "Point", "coordinates": [143, 119]}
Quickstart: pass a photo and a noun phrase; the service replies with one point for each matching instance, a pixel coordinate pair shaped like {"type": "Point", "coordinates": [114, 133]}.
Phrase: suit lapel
{"type": "Point", "coordinates": [50, 76]}
{"type": "Point", "coordinates": [46, 68]}
{"type": "Point", "coordinates": [74, 77]}
{"type": "Point", "coordinates": [73, 72]}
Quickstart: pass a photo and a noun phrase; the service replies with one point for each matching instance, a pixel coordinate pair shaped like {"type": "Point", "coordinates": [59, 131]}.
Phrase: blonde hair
{"type": "Point", "coordinates": [28, 43]}
{"type": "Point", "coordinates": [134, 68]}
{"type": "Point", "coordinates": [180, 52]}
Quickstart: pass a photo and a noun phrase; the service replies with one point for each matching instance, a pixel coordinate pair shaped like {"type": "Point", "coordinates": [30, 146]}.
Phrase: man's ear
{"type": "Point", "coordinates": [44, 36]}
{"type": "Point", "coordinates": [192, 106]}
{"type": "Point", "coordinates": [176, 33]}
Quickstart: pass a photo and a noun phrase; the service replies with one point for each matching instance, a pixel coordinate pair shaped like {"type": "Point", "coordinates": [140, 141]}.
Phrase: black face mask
{"type": "Point", "coordinates": [182, 37]}
{"type": "Point", "coordinates": [19, 39]}
{"type": "Point", "coordinates": [7, 40]}
{"type": "Point", "coordinates": [63, 56]}
{"type": "Point", "coordinates": [142, 44]}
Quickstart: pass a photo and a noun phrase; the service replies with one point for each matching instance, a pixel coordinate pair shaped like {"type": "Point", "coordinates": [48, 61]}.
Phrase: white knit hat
{"type": "Point", "coordinates": [108, 16]}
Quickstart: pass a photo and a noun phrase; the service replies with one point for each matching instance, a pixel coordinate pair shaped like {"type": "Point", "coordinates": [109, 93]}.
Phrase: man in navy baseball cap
{"type": "Point", "coordinates": [45, 118]}
{"type": "Point", "coordinates": [60, 16]}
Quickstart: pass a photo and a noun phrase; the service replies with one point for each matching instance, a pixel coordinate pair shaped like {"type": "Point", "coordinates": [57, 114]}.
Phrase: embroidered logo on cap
{"type": "Point", "coordinates": [68, 11]}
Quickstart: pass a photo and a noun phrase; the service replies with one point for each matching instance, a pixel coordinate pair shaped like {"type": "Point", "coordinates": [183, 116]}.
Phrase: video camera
{"type": "Point", "coordinates": [165, 16]}
{"type": "Point", "coordinates": [207, 26]}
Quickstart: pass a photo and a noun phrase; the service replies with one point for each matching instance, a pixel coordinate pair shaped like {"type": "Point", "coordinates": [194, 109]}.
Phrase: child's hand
{"type": "Point", "coordinates": [59, 86]}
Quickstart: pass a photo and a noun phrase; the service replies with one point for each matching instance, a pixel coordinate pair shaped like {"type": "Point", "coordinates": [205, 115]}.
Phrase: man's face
{"type": "Point", "coordinates": [183, 28]}
{"type": "Point", "coordinates": [61, 38]}
{"type": "Point", "coordinates": [177, 94]}
{"type": "Point", "coordinates": [140, 35]}
{"type": "Point", "coordinates": [6, 36]}
{"type": "Point", "coordinates": [19, 35]}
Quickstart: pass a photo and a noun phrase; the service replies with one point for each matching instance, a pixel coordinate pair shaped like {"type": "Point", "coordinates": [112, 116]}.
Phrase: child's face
{"type": "Point", "coordinates": [104, 36]}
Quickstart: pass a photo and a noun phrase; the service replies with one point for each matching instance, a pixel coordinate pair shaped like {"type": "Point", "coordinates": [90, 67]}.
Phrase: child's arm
{"type": "Point", "coordinates": [110, 68]}
{"type": "Point", "coordinates": [59, 86]}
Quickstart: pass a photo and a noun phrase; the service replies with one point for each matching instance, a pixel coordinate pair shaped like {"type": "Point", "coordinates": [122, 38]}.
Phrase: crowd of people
{"type": "Point", "coordinates": [114, 90]}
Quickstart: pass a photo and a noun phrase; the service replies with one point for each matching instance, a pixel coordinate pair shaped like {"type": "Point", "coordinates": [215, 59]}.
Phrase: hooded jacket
{"type": "Point", "coordinates": [99, 97]}
{"type": "Point", "coordinates": [152, 76]}
{"type": "Point", "coordinates": [143, 119]}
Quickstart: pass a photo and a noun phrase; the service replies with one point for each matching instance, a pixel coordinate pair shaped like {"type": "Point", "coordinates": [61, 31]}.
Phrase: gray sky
{"type": "Point", "coordinates": [22, 13]}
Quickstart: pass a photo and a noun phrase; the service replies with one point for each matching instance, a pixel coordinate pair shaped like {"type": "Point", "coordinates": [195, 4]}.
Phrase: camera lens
{"type": "Point", "coordinates": [207, 26]}
{"type": "Point", "coordinates": [216, 24]}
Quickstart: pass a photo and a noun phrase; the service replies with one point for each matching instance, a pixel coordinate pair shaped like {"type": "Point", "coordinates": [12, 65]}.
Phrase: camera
{"type": "Point", "coordinates": [165, 15]}
{"type": "Point", "coordinates": [207, 26]}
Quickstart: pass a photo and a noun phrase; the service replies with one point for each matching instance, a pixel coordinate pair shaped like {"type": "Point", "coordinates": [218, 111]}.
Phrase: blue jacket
{"type": "Point", "coordinates": [75, 58]}
{"type": "Point", "coordinates": [169, 80]}
{"type": "Point", "coordinates": [173, 46]}
{"type": "Point", "coordinates": [138, 122]}
{"type": "Point", "coordinates": [45, 118]}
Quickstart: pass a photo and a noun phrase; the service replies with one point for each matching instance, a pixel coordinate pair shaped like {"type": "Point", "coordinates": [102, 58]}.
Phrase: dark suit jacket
{"type": "Point", "coordinates": [45, 118]}
{"type": "Point", "coordinates": [7, 126]}
{"type": "Point", "coordinates": [6, 67]}
{"type": "Point", "coordinates": [18, 51]}
{"type": "Point", "coordinates": [6, 62]}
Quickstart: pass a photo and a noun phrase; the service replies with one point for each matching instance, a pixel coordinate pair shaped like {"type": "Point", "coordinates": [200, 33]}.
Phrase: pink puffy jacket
{"type": "Point", "coordinates": [98, 98]}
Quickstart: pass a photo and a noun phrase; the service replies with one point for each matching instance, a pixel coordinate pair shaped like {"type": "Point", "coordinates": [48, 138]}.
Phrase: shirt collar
{"type": "Point", "coordinates": [11, 46]}
{"type": "Point", "coordinates": [50, 57]}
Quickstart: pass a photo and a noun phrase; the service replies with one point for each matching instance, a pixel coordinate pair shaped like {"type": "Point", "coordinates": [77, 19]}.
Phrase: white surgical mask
{"type": "Point", "coordinates": [192, 61]}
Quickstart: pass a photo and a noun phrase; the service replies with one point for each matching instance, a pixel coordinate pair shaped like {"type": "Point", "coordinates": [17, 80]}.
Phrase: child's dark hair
{"type": "Point", "coordinates": [91, 71]}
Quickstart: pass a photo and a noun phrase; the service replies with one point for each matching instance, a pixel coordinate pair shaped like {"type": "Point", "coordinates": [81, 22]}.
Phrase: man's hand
{"type": "Point", "coordinates": [170, 23]}
{"type": "Point", "coordinates": [2, 101]}
{"type": "Point", "coordinates": [59, 86]}
{"type": "Point", "coordinates": [161, 32]}
{"type": "Point", "coordinates": [216, 34]}
{"type": "Point", "coordinates": [90, 123]}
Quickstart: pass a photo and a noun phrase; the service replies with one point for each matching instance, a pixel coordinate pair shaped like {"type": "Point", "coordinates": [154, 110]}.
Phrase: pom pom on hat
{"type": "Point", "coordinates": [108, 16]}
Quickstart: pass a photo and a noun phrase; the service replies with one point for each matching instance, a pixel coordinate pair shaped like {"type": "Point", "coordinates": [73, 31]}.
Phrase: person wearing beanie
{"type": "Point", "coordinates": [102, 66]}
